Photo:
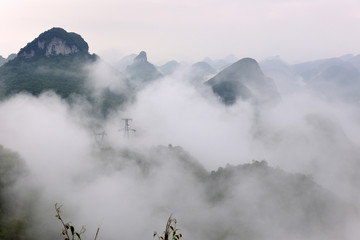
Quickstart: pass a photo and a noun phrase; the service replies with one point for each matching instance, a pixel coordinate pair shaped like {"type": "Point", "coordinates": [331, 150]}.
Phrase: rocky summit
{"type": "Point", "coordinates": [142, 57]}
{"type": "Point", "coordinates": [53, 42]}
{"type": "Point", "coordinates": [141, 71]}
{"type": "Point", "coordinates": [55, 61]}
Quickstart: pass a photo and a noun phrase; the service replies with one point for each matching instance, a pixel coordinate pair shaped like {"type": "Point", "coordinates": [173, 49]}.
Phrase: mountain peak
{"type": "Point", "coordinates": [55, 41]}
{"type": "Point", "coordinates": [142, 57]}
{"type": "Point", "coordinates": [141, 71]}
{"type": "Point", "coordinates": [243, 79]}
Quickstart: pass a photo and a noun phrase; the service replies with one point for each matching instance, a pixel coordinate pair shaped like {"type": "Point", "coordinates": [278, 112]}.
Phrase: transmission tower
{"type": "Point", "coordinates": [99, 138]}
{"type": "Point", "coordinates": [127, 128]}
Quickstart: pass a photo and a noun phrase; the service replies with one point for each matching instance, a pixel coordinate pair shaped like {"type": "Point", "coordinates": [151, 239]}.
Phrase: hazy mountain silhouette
{"type": "Point", "coordinates": [200, 72]}
{"type": "Point", "coordinates": [141, 72]}
{"type": "Point", "coordinates": [335, 78]}
{"type": "Point", "coordinates": [169, 67]}
{"type": "Point", "coordinates": [283, 75]}
{"type": "Point", "coordinates": [245, 80]}
{"type": "Point", "coordinates": [220, 64]}
{"type": "Point", "coordinates": [122, 64]}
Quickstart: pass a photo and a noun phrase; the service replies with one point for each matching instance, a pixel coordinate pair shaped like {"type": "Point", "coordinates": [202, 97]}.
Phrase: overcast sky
{"type": "Point", "coordinates": [295, 30]}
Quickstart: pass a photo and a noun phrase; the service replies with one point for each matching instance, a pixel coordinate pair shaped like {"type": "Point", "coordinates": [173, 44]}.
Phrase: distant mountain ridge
{"type": "Point", "coordinates": [124, 62]}
{"type": "Point", "coordinates": [169, 67]}
{"type": "Point", "coordinates": [55, 60]}
{"type": "Point", "coordinates": [336, 78]}
{"type": "Point", "coordinates": [221, 64]}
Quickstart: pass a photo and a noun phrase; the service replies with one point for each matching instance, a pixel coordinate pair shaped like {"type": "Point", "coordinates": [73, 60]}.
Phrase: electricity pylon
{"type": "Point", "coordinates": [127, 128]}
{"type": "Point", "coordinates": [99, 138]}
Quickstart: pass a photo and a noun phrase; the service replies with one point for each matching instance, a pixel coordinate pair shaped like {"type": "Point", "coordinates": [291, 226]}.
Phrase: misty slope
{"type": "Point", "coordinates": [14, 211]}
{"type": "Point", "coordinates": [243, 80]}
{"type": "Point", "coordinates": [200, 71]}
{"type": "Point", "coordinates": [353, 59]}
{"type": "Point", "coordinates": [247, 201]}
{"type": "Point", "coordinates": [127, 83]}
{"type": "Point", "coordinates": [267, 199]}
{"type": "Point", "coordinates": [285, 78]}
{"type": "Point", "coordinates": [149, 162]}
{"type": "Point", "coordinates": [250, 201]}
{"type": "Point", "coordinates": [53, 61]}
{"type": "Point", "coordinates": [335, 78]}
{"type": "Point", "coordinates": [220, 64]}
{"type": "Point", "coordinates": [141, 72]}
{"type": "Point", "coordinates": [169, 67]}
{"type": "Point", "coordinates": [124, 62]}
{"type": "Point", "coordinates": [131, 180]}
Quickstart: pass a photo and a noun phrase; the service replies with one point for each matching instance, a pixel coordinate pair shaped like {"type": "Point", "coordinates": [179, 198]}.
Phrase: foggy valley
{"type": "Point", "coordinates": [233, 148]}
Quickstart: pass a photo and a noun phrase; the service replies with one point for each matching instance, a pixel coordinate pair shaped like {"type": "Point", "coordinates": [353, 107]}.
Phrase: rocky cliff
{"type": "Point", "coordinates": [53, 42]}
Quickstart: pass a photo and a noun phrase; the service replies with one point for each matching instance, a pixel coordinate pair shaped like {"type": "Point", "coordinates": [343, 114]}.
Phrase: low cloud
{"type": "Point", "coordinates": [129, 187]}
